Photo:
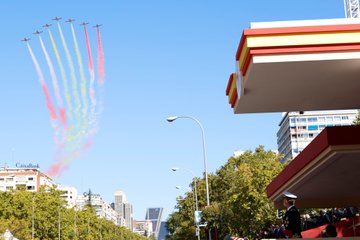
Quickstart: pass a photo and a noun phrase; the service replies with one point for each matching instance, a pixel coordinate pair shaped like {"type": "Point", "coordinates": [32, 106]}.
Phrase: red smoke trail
{"type": "Point", "coordinates": [43, 85]}
{"type": "Point", "coordinates": [91, 64]}
{"type": "Point", "coordinates": [45, 89]}
{"type": "Point", "coordinates": [56, 169]}
{"type": "Point", "coordinates": [55, 85]}
{"type": "Point", "coordinates": [100, 59]}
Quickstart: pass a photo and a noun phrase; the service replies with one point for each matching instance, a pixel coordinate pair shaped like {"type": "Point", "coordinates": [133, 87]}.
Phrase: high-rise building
{"type": "Point", "coordinates": [102, 208]}
{"type": "Point", "coordinates": [298, 129]}
{"type": "Point", "coordinates": [154, 215]}
{"type": "Point", "coordinates": [164, 232]}
{"type": "Point", "coordinates": [124, 209]}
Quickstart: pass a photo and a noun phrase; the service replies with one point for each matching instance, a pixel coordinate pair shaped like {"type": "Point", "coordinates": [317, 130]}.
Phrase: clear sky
{"type": "Point", "coordinates": [162, 58]}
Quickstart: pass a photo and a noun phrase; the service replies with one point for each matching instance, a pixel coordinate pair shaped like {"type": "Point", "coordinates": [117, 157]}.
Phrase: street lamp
{"type": "Point", "coordinates": [194, 195]}
{"type": "Point", "coordinates": [173, 118]}
{"type": "Point", "coordinates": [195, 185]}
{"type": "Point", "coordinates": [196, 207]}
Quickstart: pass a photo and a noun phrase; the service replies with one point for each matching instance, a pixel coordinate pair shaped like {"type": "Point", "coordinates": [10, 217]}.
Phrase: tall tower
{"type": "Point", "coordinates": [351, 8]}
{"type": "Point", "coordinates": [154, 215]}
{"type": "Point", "coordinates": [123, 208]}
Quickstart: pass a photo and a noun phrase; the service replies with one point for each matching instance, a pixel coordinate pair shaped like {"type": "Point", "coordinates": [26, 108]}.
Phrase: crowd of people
{"type": "Point", "coordinates": [292, 223]}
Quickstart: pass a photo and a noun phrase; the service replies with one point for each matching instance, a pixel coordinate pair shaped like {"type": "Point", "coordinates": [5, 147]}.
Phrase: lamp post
{"type": "Point", "coordinates": [33, 217]}
{"type": "Point", "coordinates": [173, 118]}
{"type": "Point", "coordinates": [195, 187]}
{"type": "Point", "coordinates": [194, 194]}
{"type": "Point", "coordinates": [196, 208]}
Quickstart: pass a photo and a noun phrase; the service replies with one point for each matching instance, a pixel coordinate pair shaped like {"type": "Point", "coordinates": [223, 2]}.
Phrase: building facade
{"type": "Point", "coordinates": [23, 177]}
{"type": "Point", "coordinates": [154, 215]}
{"type": "Point", "coordinates": [102, 208]}
{"type": "Point", "coordinates": [123, 209]}
{"type": "Point", "coordinates": [298, 129]}
{"type": "Point", "coordinates": [69, 194]}
{"type": "Point", "coordinates": [143, 227]}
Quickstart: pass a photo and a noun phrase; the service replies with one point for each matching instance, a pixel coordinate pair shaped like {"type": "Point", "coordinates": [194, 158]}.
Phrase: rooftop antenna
{"type": "Point", "coordinates": [13, 155]}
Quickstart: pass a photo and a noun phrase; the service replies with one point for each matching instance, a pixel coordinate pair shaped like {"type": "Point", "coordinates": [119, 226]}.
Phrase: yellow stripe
{"type": "Point", "coordinates": [232, 87]}
{"type": "Point", "coordinates": [298, 39]}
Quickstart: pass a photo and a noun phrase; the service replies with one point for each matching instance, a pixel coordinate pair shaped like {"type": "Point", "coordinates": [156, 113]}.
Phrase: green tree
{"type": "Point", "coordinates": [50, 214]}
{"type": "Point", "coordinates": [239, 204]}
{"type": "Point", "coordinates": [240, 191]}
{"type": "Point", "coordinates": [357, 119]}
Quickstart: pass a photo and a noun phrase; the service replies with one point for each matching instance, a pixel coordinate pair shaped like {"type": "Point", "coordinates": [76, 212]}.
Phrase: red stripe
{"type": "Point", "coordinates": [301, 29]}
{"type": "Point", "coordinates": [344, 135]}
{"type": "Point", "coordinates": [241, 45]}
{"type": "Point", "coordinates": [302, 49]}
{"type": "Point", "coordinates": [231, 78]}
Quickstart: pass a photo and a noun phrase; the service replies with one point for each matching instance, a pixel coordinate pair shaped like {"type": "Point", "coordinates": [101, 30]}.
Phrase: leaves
{"type": "Point", "coordinates": [18, 209]}
{"type": "Point", "coordinates": [239, 204]}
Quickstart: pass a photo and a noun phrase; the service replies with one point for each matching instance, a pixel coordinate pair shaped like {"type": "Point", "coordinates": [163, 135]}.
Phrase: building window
{"type": "Point", "coordinates": [313, 127]}
{"type": "Point", "coordinates": [10, 179]}
{"type": "Point", "coordinates": [2, 179]}
{"type": "Point", "coordinates": [21, 187]}
{"type": "Point", "coordinates": [329, 119]}
{"type": "Point", "coordinates": [321, 119]}
{"type": "Point", "coordinates": [337, 118]}
{"type": "Point", "coordinates": [344, 117]}
{"type": "Point", "coordinates": [301, 119]}
{"type": "Point", "coordinates": [312, 119]}
{"type": "Point", "coordinates": [31, 179]}
{"type": "Point", "coordinates": [9, 187]}
{"type": "Point", "coordinates": [30, 187]}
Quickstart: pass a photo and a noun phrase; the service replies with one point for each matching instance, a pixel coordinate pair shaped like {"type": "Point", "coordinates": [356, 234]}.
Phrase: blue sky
{"type": "Point", "coordinates": [162, 58]}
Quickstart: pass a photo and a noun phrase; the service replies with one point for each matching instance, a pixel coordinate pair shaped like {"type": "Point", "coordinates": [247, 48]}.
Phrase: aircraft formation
{"type": "Point", "coordinates": [47, 25]}
{"type": "Point", "coordinates": [73, 96]}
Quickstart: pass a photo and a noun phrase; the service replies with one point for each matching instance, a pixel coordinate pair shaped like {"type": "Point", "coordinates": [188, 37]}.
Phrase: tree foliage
{"type": "Point", "coordinates": [48, 211]}
{"type": "Point", "coordinates": [357, 119]}
{"type": "Point", "coordinates": [239, 204]}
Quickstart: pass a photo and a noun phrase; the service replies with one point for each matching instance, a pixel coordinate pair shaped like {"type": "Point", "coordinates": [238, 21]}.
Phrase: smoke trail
{"type": "Point", "coordinates": [72, 75]}
{"type": "Point", "coordinates": [62, 162]}
{"type": "Point", "coordinates": [82, 76]}
{"type": "Point", "coordinates": [63, 76]}
{"type": "Point", "coordinates": [100, 58]}
{"type": "Point", "coordinates": [92, 117]}
{"type": "Point", "coordinates": [55, 85]}
{"type": "Point", "coordinates": [45, 89]}
{"type": "Point", "coordinates": [90, 60]}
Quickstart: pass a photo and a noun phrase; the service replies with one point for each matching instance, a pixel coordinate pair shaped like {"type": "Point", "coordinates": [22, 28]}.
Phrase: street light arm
{"type": "Point", "coordinates": [171, 119]}
{"type": "Point", "coordinates": [204, 152]}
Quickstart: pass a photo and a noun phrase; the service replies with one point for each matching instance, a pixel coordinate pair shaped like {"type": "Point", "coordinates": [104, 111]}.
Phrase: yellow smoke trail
{"type": "Point", "coordinates": [63, 76]}
{"type": "Point", "coordinates": [83, 81]}
{"type": "Point", "coordinates": [72, 76]}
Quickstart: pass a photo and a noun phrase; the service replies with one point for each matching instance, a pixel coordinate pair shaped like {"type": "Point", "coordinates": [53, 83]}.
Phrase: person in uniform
{"type": "Point", "coordinates": [291, 219]}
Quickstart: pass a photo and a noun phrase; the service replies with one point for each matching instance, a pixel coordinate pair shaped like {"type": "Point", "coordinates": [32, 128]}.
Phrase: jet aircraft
{"type": "Point", "coordinates": [56, 18]}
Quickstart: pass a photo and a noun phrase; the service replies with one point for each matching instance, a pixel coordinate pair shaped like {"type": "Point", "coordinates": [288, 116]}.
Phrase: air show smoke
{"type": "Point", "coordinates": [74, 121]}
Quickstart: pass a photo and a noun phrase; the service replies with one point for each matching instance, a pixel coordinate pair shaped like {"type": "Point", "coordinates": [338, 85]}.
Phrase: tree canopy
{"type": "Point", "coordinates": [239, 204]}
{"type": "Point", "coordinates": [46, 212]}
